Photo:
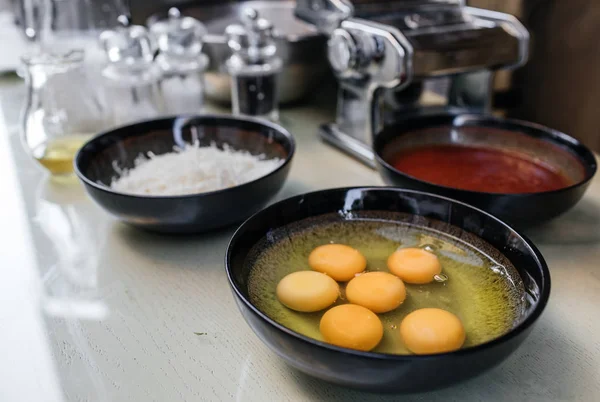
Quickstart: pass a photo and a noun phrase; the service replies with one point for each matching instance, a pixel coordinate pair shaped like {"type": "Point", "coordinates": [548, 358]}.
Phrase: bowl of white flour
{"type": "Point", "coordinates": [186, 174]}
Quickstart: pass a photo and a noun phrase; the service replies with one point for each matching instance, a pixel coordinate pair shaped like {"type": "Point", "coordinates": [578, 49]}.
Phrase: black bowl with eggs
{"type": "Point", "coordinates": [386, 372]}
{"type": "Point", "coordinates": [536, 156]}
{"type": "Point", "coordinates": [190, 213]}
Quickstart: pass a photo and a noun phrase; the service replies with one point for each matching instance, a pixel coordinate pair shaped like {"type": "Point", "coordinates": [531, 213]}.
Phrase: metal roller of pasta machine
{"type": "Point", "coordinates": [382, 48]}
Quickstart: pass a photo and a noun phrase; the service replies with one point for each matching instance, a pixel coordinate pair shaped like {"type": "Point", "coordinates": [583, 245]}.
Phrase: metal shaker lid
{"type": "Point", "coordinates": [130, 50]}
{"type": "Point", "coordinates": [180, 41]}
{"type": "Point", "coordinates": [254, 40]}
{"type": "Point", "coordinates": [128, 44]}
{"type": "Point", "coordinates": [179, 35]}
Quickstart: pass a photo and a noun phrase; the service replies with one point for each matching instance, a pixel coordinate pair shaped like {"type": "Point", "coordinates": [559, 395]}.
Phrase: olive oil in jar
{"type": "Point", "coordinates": [64, 105]}
{"type": "Point", "coordinates": [58, 153]}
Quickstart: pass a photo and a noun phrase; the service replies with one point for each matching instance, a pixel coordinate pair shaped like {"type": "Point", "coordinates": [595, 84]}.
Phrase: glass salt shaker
{"type": "Point", "coordinates": [180, 41]}
{"type": "Point", "coordinates": [253, 66]}
{"type": "Point", "coordinates": [131, 75]}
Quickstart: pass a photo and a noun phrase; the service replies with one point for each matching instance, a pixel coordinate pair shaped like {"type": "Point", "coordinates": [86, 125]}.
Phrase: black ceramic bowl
{"type": "Point", "coordinates": [555, 149]}
{"type": "Point", "coordinates": [185, 213]}
{"type": "Point", "coordinates": [376, 371]}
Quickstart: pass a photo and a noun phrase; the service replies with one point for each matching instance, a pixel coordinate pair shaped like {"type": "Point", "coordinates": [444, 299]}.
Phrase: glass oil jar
{"type": "Point", "coordinates": [62, 110]}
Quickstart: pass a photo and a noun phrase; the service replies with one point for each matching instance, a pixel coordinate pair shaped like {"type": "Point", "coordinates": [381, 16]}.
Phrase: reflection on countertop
{"type": "Point", "coordinates": [70, 269]}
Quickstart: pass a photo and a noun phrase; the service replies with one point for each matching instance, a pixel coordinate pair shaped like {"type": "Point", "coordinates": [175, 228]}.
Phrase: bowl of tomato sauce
{"type": "Point", "coordinates": [522, 172]}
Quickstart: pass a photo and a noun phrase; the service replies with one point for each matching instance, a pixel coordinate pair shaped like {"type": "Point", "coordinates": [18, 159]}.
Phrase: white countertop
{"type": "Point", "coordinates": [173, 332]}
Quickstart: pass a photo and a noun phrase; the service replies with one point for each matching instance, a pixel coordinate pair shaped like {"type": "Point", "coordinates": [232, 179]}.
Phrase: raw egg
{"type": "Point", "coordinates": [432, 330]}
{"type": "Point", "coordinates": [380, 292]}
{"type": "Point", "coordinates": [351, 326]}
{"type": "Point", "coordinates": [338, 261]}
{"type": "Point", "coordinates": [414, 265]}
{"type": "Point", "coordinates": [307, 291]}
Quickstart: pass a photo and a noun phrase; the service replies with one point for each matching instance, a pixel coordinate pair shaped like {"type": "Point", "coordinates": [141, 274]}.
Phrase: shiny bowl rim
{"type": "Point", "coordinates": [184, 118]}
{"type": "Point", "coordinates": [588, 161]}
{"type": "Point", "coordinates": [529, 320]}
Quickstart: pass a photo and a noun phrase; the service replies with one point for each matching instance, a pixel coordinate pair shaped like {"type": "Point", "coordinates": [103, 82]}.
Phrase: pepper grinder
{"type": "Point", "coordinates": [253, 66]}
{"type": "Point", "coordinates": [180, 41]}
{"type": "Point", "coordinates": [131, 75]}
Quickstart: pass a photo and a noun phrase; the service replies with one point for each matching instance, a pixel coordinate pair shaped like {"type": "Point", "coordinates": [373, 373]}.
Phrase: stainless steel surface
{"type": "Point", "coordinates": [299, 45]}
{"type": "Point", "coordinates": [331, 134]}
{"type": "Point", "coordinates": [325, 15]}
{"type": "Point", "coordinates": [475, 90]}
{"type": "Point", "coordinates": [369, 8]}
{"type": "Point", "coordinates": [342, 52]}
{"type": "Point", "coordinates": [415, 41]}
{"type": "Point", "coordinates": [485, 40]}
{"type": "Point", "coordinates": [502, 80]}
{"type": "Point", "coordinates": [381, 58]}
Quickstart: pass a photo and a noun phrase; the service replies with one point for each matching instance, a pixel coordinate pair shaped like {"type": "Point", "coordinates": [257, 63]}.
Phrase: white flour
{"type": "Point", "coordinates": [191, 170]}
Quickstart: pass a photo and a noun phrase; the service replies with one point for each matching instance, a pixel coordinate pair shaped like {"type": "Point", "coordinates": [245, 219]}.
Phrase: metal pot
{"type": "Point", "coordinates": [301, 47]}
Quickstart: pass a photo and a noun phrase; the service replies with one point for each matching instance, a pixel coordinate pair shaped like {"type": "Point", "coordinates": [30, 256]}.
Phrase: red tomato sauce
{"type": "Point", "coordinates": [481, 169]}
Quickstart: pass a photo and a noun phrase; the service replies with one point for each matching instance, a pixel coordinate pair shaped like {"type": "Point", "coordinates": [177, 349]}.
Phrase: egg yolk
{"type": "Point", "coordinates": [351, 326]}
{"type": "Point", "coordinates": [338, 261]}
{"type": "Point", "coordinates": [307, 291]}
{"type": "Point", "coordinates": [432, 330]}
{"type": "Point", "coordinates": [414, 265]}
{"type": "Point", "coordinates": [380, 292]}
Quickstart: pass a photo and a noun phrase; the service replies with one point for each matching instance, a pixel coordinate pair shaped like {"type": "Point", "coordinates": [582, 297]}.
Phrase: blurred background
{"type": "Point", "coordinates": [558, 87]}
